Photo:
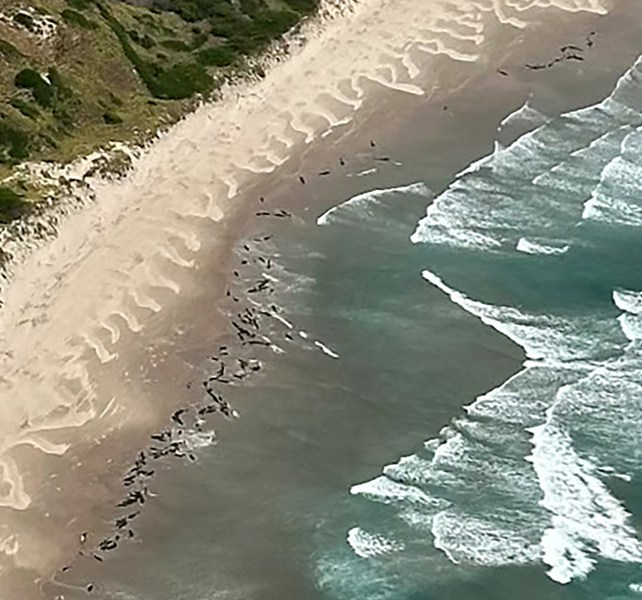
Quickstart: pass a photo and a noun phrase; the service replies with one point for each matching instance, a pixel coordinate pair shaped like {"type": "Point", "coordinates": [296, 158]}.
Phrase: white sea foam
{"type": "Point", "coordinates": [325, 349]}
{"type": "Point", "coordinates": [386, 491]}
{"type": "Point", "coordinates": [628, 301]}
{"type": "Point", "coordinates": [587, 519]}
{"type": "Point", "coordinates": [543, 337]}
{"type": "Point", "coordinates": [541, 246]}
{"type": "Point", "coordinates": [522, 477]}
{"type": "Point", "coordinates": [524, 116]}
{"type": "Point", "coordinates": [362, 203]}
{"type": "Point", "coordinates": [465, 538]}
{"type": "Point", "coordinates": [367, 544]}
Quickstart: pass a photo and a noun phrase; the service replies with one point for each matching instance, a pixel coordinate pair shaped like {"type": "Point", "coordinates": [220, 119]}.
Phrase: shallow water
{"type": "Point", "coordinates": [354, 472]}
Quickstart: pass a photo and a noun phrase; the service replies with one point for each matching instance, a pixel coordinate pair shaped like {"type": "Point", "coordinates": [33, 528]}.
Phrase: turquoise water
{"type": "Point", "coordinates": [540, 241]}
{"type": "Point", "coordinates": [355, 473]}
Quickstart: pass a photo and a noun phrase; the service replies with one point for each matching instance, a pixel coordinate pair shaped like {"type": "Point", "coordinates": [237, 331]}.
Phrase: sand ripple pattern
{"type": "Point", "coordinates": [116, 264]}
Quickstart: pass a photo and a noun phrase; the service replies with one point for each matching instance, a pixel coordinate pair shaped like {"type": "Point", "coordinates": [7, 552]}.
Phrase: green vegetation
{"type": "Point", "coordinates": [176, 45]}
{"type": "Point", "coordinates": [13, 143]}
{"type": "Point", "coordinates": [43, 91]}
{"type": "Point", "coordinates": [25, 108]}
{"type": "Point", "coordinates": [73, 17]}
{"type": "Point", "coordinates": [117, 70]}
{"type": "Point", "coordinates": [182, 80]}
{"type": "Point", "coordinates": [220, 56]}
{"type": "Point", "coordinates": [112, 118]}
{"type": "Point", "coordinates": [80, 4]}
{"type": "Point", "coordinates": [11, 205]}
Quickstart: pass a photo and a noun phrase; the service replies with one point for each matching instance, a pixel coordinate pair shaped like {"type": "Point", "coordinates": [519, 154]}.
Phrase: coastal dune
{"type": "Point", "coordinates": [75, 319]}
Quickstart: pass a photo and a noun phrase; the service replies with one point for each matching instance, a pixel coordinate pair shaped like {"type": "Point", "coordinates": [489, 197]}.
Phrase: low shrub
{"type": "Point", "coordinates": [11, 205]}
{"type": "Point", "coordinates": [176, 45]}
{"type": "Point", "coordinates": [221, 56]}
{"type": "Point", "coordinates": [79, 4]}
{"type": "Point", "coordinates": [42, 90]}
{"type": "Point", "coordinates": [73, 17]}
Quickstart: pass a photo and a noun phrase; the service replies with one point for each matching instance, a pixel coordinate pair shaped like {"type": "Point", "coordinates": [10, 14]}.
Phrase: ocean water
{"type": "Point", "coordinates": [451, 406]}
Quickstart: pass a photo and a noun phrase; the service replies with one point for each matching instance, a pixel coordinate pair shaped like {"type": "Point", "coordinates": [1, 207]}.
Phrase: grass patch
{"type": "Point", "coordinates": [73, 17]}
{"type": "Point", "coordinates": [176, 45]}
{"type": "Point", "coordinates": [112, 118]}
{"type": "Point", "coordinates": [8, 49]}
{"type": "Point", "coordinates": [25, 108]}
{"type": "Point", "coordinates": [79, 4]}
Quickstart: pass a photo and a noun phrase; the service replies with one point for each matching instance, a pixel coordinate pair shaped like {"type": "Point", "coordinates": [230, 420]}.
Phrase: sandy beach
{"type": "Point", "coordinates": [90, 320]}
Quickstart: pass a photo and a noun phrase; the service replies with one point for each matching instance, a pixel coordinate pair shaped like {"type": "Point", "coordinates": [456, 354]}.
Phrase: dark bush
{"type": "Point", "coordinates": [176, 45]}
{"type": "Point", "coordinates": [182, 81]}
{"type": "Point", "coordinates": [26, 20]}
{"type": "Point", "coordinates": [221, 56]}
{"type": "Point", "coordinates": [112, 118]}
{"type": "Point", "coordinates": [79, 4]}
{"type": "Point", "coordinates": [14, 140]}
{"type": "Point", "coordinates": [73, 17]}
{"type": "Point", "coordinates": [147, 42]}
{"type": "Point", "coordinates": [11, 205]}
{"type": "Point", "coordinates": [198, 41]}
{"type": "Point", "coordinates": [43, 92]}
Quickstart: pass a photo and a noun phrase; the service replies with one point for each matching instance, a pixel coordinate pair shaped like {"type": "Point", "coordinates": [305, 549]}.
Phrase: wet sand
{"type": "Point", "coordinates": [102, 329]}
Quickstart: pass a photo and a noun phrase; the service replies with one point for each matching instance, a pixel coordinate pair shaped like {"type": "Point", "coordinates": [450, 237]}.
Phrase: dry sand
{"type": "Point", "coordinates": [78, 327]}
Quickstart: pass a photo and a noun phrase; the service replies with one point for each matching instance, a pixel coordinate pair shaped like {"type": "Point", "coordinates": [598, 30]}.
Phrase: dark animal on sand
{"type": "Point", "coordinates": [302, 179]}
{"type": "Point", "coordinates": [342, 162]}
{"type": "Point", "coordinates": [502, 72]}
{"type": "Point", "coordinates": [382, 158]}
{"type": "Point", "coordinates": [176, 417]}
{"type": "Point", "coordinates": [263, 213]}
{"type": "Point", "coordinates": [372, 144]}
{"type": "Point", "coordinates": [325, 172]}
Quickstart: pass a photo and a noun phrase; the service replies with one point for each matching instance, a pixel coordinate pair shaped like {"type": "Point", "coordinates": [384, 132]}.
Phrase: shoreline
{"type": "Point", "coordinates": [191, 231]}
